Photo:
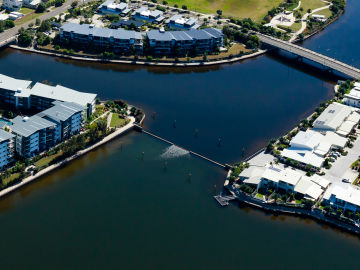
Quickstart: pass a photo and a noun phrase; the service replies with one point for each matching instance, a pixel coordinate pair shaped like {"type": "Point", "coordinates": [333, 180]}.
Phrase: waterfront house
{"type": "Point", "coordinates": [12, 5]}
{"type": "Point", "coordinates": [6, 148]}
{"type": "Point", "coordinates": [68, 117]}
{"type": "Point", "coordinates": [151, 16]}
{"type": "Point", "coordinates": [307, 188]}
{"type": "Point", "coordinates": [346, 198]}
{"type": "Point", "coordinates": [353, 97]}
{"type": "Point", "coordinates": [32, 135]}
{"type": "Point", "coordinates": [252, 175]}
{"type": "Point", "coordinates": [276, 178]}
{"type": "Point", "coordinates": [338, 118]}
{"type": "Point", "coordinates": [111, 7]}
{"type": "Point", "coordinates": [179, 22]}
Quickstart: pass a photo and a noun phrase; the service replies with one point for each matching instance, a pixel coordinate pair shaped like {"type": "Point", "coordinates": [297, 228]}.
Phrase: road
{"type": "Point", "coordinates": [11, 33]}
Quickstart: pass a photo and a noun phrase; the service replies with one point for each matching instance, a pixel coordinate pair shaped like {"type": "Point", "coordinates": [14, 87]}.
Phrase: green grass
{"type": "Point", "coordinates": [254, 9]}
{"type": "Point", "coordinates": [295, 26]}
{"type": "Point", "coordinates": [11, 178]}
{"type": "Point", "coordinates": [326, 12]}
{"type": "Point", "coordinates": [28, 18]}
{"type": "Point", "coordinates": [26, 11]}
{"type": "Point", "coordinates": [310, 4]}
{"type": "Point", "coordinates": [46, 160]}
{"type": "Point", "coordinates": [260, 196]}
{"type": "Point", "coordinates": [116, 121]}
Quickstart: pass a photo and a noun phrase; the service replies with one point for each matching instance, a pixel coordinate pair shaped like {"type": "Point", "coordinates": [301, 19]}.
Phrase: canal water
{"type": "Point", "coordinates": [114, 209]}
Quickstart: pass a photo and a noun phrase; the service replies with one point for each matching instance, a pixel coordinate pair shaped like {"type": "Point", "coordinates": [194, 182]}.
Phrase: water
{"type": "Point", "coordinates": [116, 208]}
{"type": "Point", "coordinates": [113, 209]}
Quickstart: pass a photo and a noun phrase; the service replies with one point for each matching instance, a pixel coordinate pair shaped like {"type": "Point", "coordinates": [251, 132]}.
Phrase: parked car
{"type": "Point", "coordinates": [346, 180]}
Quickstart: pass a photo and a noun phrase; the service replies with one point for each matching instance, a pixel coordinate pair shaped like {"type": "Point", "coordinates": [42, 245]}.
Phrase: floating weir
{"type": "Point", "coordinates": [140, 129]}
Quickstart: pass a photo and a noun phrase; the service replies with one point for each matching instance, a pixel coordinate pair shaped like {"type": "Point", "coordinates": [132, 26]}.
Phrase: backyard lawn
{"type": "Point", "coordinates": [254, 9]}
{"type": "Point", "coordinates": [46, 160]}
{"type": "Point", "coordinates": [11, 178]}
{"type": "Point", "coordinates": [117, 121]}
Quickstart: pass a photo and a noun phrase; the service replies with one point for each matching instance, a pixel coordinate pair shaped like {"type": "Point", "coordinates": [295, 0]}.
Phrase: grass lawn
{"type": "Point", "coordinates": [260, 196]}
{"type": "Point", "coordinates": [27, 18]}
{"type": "Point", "coordinates": [116, 121]}
{"type": "Point", "coordinates": [295, 27]}
{"type": "Point", "coordinates": [11, 178]}
{"type": "Point", "coordinates": [254, 9]}
{"type": "Point", "coordinates": [46, 160]}
{"type": "Point", "coordinates": [25, 10]}
{"type": "Point", "coordinates": [326, 12]}
{"type": "Point", "coordinates": [310, 4]}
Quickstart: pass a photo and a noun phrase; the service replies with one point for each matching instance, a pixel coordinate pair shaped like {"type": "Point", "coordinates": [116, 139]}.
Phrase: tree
{"type": "Point", "coordinates": [44, 26]}
{"type": "Point", "coordinates": [37, 21]}
{"type": "Point", "coordinates": [184, 7]}
{"type": "Point", "coordinates": [74, 4]}
{"type": "Point", "coordinates": [9, 24]}
{"type": "Point", "coordinates": [164, 2]}
{"type": "Point", "coordinates": [59, 3]}
{"type": "Point", "coordinates": [40, 8]}
{"type": "Point", "coordinates": [42, 39]}
{"type": "Point", "coordinates": [25, 38]}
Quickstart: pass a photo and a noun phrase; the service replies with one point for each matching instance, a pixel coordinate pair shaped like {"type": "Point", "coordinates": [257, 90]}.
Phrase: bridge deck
{"type": "Point", "coordinates": [311, 55]}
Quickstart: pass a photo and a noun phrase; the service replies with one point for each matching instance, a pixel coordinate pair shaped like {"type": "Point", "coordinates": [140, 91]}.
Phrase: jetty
{"type": "Point", "coordinates": [224, 200]}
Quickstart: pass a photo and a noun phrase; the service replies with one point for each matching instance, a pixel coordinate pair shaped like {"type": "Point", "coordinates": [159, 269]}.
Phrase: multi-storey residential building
{"type": "Point", "coordinates": [152, 16]}
{"type": "Point", "coordinates": [23, 95]}
{"type": "Point", "coordinates": [12, 5]}
{"type": "Point", "coordinates": [208, 39]}
{"type": "Point", "coordinates": [68, 117]}
{"type": "Point", "coordinates": [33, 135]}
{"type": "Point", "coordinates": [6, 148]}
{"type": "Point", "coordinates": [160, 41]}
{"type": "Point", "coordinates": [88, 35]}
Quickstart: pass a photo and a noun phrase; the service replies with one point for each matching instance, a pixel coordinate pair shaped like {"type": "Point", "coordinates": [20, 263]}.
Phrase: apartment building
{"type": "Point", "coordinates": [6, 148]}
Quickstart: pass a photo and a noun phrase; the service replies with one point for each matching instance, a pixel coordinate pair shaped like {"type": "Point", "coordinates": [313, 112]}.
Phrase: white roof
{"type": "Point", "coordinates": [9, 83]}
{"type": "Point", "coordinates": [4, 17]}
{"type": "Point", "coordinates": [320, 180]}
{"type": "Point", "coordinates": [290, 176]}
{"type": "Point", "coordinates": [350, 195]}
{"type": "Point", "coordinates": [332, 117]}
{"type": "Point", "coordinates": [308, 188]}
{"type": "Point", "coordinates": [272, 174]}
{"type": "Point", "coordinates": [306, 139]}
{"type": "Point", "coordinates": [63, 94]}
{"type": "Point", "coordinates": [346, 127]}
{"type": "Point", "coordinates": [252, 174]}
{"type": "Point", "coordinates": [335, 139]}
{"type": "Point", "coordinates": [354, 94]}
{"type": "Point", "coordinates": [323, 148]}
{"type": "Point", "coordinates": [306, 158]}
{"type": "Point", "coordinates": [354, 117]}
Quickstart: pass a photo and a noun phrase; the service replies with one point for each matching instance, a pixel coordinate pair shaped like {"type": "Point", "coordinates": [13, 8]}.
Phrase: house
{"type": "Point", "coordinates": [4, 17]}
{"type": "Point", "coordinates": [285, 179]}
{"type": "Point", "coordinates": [310, 147]}
{"type": "Point", "coordinates": [308, 188]}
{"type": "Point", "coordinates": [353, 98]}
{"type": "Point", "coordinates": [111, 7]}
{"type": "Point", "coordinates": [346, 198]}
{"type": "Point", "coordinates": [31, 3]}
{"type": "Point", "coordinates": [6, 148]}
{"type": "Point", "coordinates": [338, 118]}
{"type": "Point", "coordinates": [68, 117]}
{"type": "Point", "coordinates": [12, 5]}
{"type": "Point", "coordinates": [252, 175]}
{"type": "Point", "coordinates": [22, 94]}
{"type": "Point", "coordinates": [179, 22]}
{"type": "Point", "coordinates": [14, 15]}
{"type": "Point", "coordinates": [32, 135]}
{"type": "Point", "coordinates": [152, 16]}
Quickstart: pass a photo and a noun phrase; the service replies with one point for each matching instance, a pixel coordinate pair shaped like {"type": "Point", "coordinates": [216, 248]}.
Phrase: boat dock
{"type": "Point", "coordinates": [223, 200]}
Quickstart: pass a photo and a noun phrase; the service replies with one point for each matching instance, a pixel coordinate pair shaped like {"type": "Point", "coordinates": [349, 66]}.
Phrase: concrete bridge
{"type": "Point", "coordinates": [326, 61]}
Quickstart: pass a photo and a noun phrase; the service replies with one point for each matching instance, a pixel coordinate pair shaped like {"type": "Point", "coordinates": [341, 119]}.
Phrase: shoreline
{"type": "Point", "coordinates": [145, 63]}
{"type": "Point", "coordinates": [64, 162]}
{"type": "Point", "coordinates": [293, 211]}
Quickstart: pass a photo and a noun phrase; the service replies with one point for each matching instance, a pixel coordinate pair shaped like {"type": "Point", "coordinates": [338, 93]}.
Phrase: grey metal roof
{"type": "Point", "coordinates": [12, 84]}
{"type": "Point", "coordinates": [215, 32]}
{"type": "Point", "coordinates": [4, 135]}
{"type": "Point", "coordinates": [26, 126]}
{"type": "Point", "coordinates": [160, 36]}
{"type": "Point", "coordinates": [61, 111]}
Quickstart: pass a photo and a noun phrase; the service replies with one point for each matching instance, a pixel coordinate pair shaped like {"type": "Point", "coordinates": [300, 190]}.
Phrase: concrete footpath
{"type": "Point", "coordinates": [80, 153]}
